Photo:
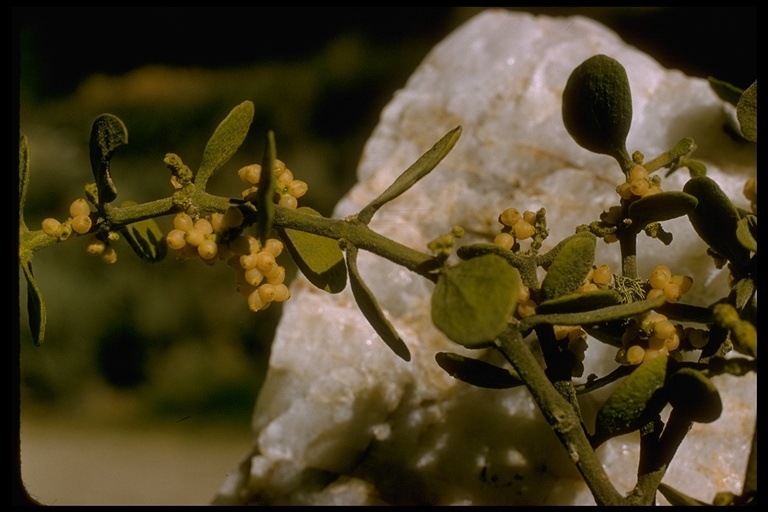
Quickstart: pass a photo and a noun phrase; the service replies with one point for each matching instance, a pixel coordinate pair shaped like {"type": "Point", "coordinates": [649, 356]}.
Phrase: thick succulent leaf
{"type": "Point", "coordinates": [578, 302]}
{"type": "Point", "coordinates": [368, 304]}
{"type": "Point", "coordinates": [635, 401]}
{"type": "Point", "coordinates": [474, 300]}
{"type": "Point", "coordinates": [660, 207]}
{"type": "Point", "coordinates": [597, 107]}
{"type": "Point", "coordinates": [108, 134]}
{"type": "Point", "coordinates": [145, 238]}
{"type": "Point", "coordinates": [35, 304]}
{"type": "Point", "coordinates": [715, 219]}
{"type": "Point", "coordinates": [265, 205]}
{"type": "Point", "coordinates": [569, 268]}
{"type": "Point", "coordinates": [746, 232]}
{"type": "Point", "coordinates": [320, 259]}
{"type": "Point", "coordinates": [690, 392]}
{"type": "Point", "coordinates": [746, 112]}
{"type": "Point", "coordinates": [225, 141]}
{"type": "Point", "coordinates": [423, 166]}
{"type": "Point", "coordinates": [476, 372]}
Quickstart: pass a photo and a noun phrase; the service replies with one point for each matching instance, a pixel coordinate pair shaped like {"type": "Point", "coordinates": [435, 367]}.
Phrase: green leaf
{"type": "Point", "coordinates": [319, 258]}
{"type": "Point", "coordinates": [476, 372]}
{"type": "Point", "coordinates": [579, 302]}
{"type": "Point", "coordinates": [677, 498]}
{"type": "Point", "coordinates": [746, 232]}
{"type": "Point", "coordinates": [108, 134]}
{"type": "Point", "coordinates": [715, 219]}
{"type": "Point", "coordinates": [225, 141]}
{"type": "Point", "coordinates": [635, 401]}
{"type": "Point", "coordinates": [660, 207]}
{"type": "Point", "coordinates": [474, 300]}
{"type": "Point", "coordinates": [35, 304]}
{"type": "Point", "coordinates": [690, 392]}
{"type": "Point", "coordinates": [569, 268]}
{"type": "Point", "coordinates": [725, 91]}
{"type": "Point", "coordinates": [371, 309]}
{"type": "Point", "coordinates": [23, 175]}
{"type": "Point", "coordinates": [597, 107]}
{"type": "Point", "coordinates": [746, 112]}
{"type": "Point", "coordinates": [423, 166]}
{"type": "Point", "coordinates": [145, 238]}
{"type": "Point", "coordinates": [265, 205]}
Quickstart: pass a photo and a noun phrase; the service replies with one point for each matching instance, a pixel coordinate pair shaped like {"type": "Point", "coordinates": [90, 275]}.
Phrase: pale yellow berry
{"type": "Point", "coordinates": [276, 275]}
{"type": "Point", "coordinates": [638, 172]}
{"type": "Point", "coordinates": [265, 262]}
{"type": "Point", "coordinates": [660, 276]}
{"type": "Point", "coordinates": [635, 354]}
{"type": "Point", "coordinates": [684, 282]}
{"type": "Point", "coordinates": [639, 187]}
{"type": "Point", "coordinates": [217, 222]}
{"type": "Point", "coordinates": [654, 293]}
{"type": "Point", "coordinates": [672, 343]}
{"type": "Point", "coordinates": [267, 292]}
{"type": "Point", "coordinates": [250, 174]}
{"type": "Point", "coordinates": [274, 246]}
{"type": "Point", "coordinates": [561, 331]}
{"type": "Point", "coordinates": [194, 237]}
{"type": "Point", "coordinates": [505, 240]}
{"type": "Point", "coordinates": [523, 229]}
{"type": "Point", "coordinates": [203, 225]}
{"type": "Point", "coordinates": [282, 293]}
{"type": "Point", "coordinates": [79, 207]}
{"type": "Point", "coordinates": [624, 191]}
{"type": "Point", "coordinates": [279, 167]}
{"type": "Point", "coordinates": [176, 239]}
{"type": "Point", "coordinates": [664, 329]}
{"type": "Point", "coordinates": [524, 294]}
{"type": "Point", "coordinates": [248, 261]}
{"type": "Point", "coordinates": [509, 217]}
{"type": "Point", "coordinates": [288, 201]}
{"type": "Point", "coordinates": [109, 255]}
{"type": "Point", "coordinates": [284, 177]}
{"type": "Point", "coordinates": [297, 188]}
{"type": "Point", "coordinates": [253, 276]}
{"type": "Point", "coordinates": [94, 246]}
{"type": "Point", "coordinates": [587, 287]}
{"type": "Point", "coordinates": [672, 293]}
{"type": "Point", "coordinates": [255, 302]}
{"type": "Point", "coordinates": [207, 249]}
{"type": "Point", "coordinates": [602, 275]}
{"type": "Point", "coordinates": [51, 227]}
{"type": "Point", "coordinates": [183, 222]}
{"type": "Point", "coordinates": [653, 353]}
{"type": "Point", "coordinates": [81, 224]}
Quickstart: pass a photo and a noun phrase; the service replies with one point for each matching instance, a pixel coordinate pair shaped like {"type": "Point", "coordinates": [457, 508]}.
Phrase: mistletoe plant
{"type": "Point", "coordinates": [492, 298]}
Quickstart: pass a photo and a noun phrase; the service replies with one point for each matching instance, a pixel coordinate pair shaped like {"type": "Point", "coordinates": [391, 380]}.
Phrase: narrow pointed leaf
{"type": "Point", "coordinates": [579, 302]}
{"type": "Point", "coordinates": [746, 113]}
{"type": "Point", "coordinates": [108, 134]}
{"type": "Point", "coordinates": [715, 219]}
{"type": "Point", "coordinates": [423, 166]}
{"type": "Point", "coordinates": [660, 207]}
{"type": "Point", "coordinates": [265, 205]}
{"type": "Point", "coordinates": [35, 304]}
{"type": "Point", "coordinates": [636, 400]}
{"type": "Point", "coordinates": [476, 372]}
{"type": "Point", "coordinates": [725, 91]}
{"type": "Point", "coordinates": [569, 268]}
{"type": "Point", "coordinates": [320, 259]}
{"type": "Point", "coordinates": [23, 175]}
{"type": "Point", "coordinates": [145, 238]}
{"type": "Point", "coordinates": [746, 232]}
{"type": "Point", "coordinates": [371, 309]}
{"type": "Point", "coordinates": [677, 498]}
{"type": "Point", "coordinates": [225, 141]}
{"type": "Point", "coordinates": [473, 301]}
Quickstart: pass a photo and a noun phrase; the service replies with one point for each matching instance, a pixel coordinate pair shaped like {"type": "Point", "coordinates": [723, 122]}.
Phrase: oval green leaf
{"type": "Point", "coordinates": [579, 302]}
{"type": "Point", "coordinates": [597, 107]}
{"type": "Point", "coordinates": [635, 401]}
{"type": "Point", "coordinates": [715, 219]}
{"type": "Point", "coordinates": [569, 268]}
{"type": "Point", "coordinates": [370, 308]}
{"type": "Point", "coordinates": [35, 305]}
{"type": "Point", "coordinates": [746, 232]}
{"type": "Point", "coordinates": [660, 207]}
{"type": "Point", "coordinates": [473, 301]}
{"type": "Point", "coordinates": [320, 259]}
{"type": "Point", "coordinates": [746, 113]}
{"type": "Point", "coordinates": [225, 141]}
{"type": "Point", "coordinates": [476, 372]}
{"type": "Point", "coordinates": [690, 392]}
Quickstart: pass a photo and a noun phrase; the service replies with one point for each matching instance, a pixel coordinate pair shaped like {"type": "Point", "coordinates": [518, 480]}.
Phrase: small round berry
{"type": "Point", "coordinates": [587, 287]}
{"type": "Point", "coordinates": [672, 343]}
{"type": "Point", "coordinates": [51, 227]}
{"type": "Point", "coordinates": [624, 191]}
{"type": "Point", "coordinates": [255, 303]}
{"type": "Point", "coordinates": [684, 282]}
{"type": "Point", "coordinates": [279, 167]}
{"type": "Point", "coordinates": [639, 187]}
{"type": "Point", "coordinates": [250, 174]}
{"type": "Point", "coordinates": [253, 276]}
{"type": "Point", "coordinates": [109, 255]}
{"type": "Point", "coordinates": [276, 276]}
{"type": "Point", "coordinates": [602, 275]}
{"type": "Point", "coordinates": [654, 293]}
{"type": "Point", "coordinates": [505, 240]}
{"type": "Point", "coordinates": [288, 201]}
{"type": "Point", "coordinates": [523, 229]}
{"type": "Point", "coordinates": [298, 188]}
{"type": "Point", "coordinates": [79, 207]}
{"type": "Point", "coordinates": [282, 293]}
{"type": "Point", "coordinates": [204, 226]}
{"type": "Point", "coordinates": [526, 309]}
{"type": "Point", "coordinates": [672, 293]}
{"type": "Point", "coordinates": [217, 222]}
{"type": "Point", "coordinates": [509, 217]}
{"type": "Point", "coordinates": [524, 294]}
{"type": "Point", "coordinates": [94, 246]}
{"type": "Point", "coordinates": [664, 329]}
{"type": "Point", "coordinates": [265, 261]}
{"type": "Point", "coordinates": [182, 221]}
{"type": "Point", "coordinates": [654, 353]}
{"type": "Point", "coordinates": [638, 172]}
{"type": "Point", "coordinates": [274, 246]}
{"type": "Point", "coordinates": [207, 249]}
{"type": "Point", "coordinates": [267, 292]}
{"type": "Point", "coordinates": [660, 277]}
{"type": "Point", "coordinates": [81, 224]}
{"type": "Point", "coordinates": [248, 261]}
{"type": "Point", "coordinates": [635, 354]}
{"type": "Point", "coordinates": [285, 177]}
{"type": "Point", "coordinates": [176, 239]}
{"type": "Point", "coordinates": [194, 237]}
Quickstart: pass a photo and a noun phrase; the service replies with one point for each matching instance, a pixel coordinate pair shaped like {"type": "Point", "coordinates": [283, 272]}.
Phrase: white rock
{"type": "Point", "coordinates": [342, 420]}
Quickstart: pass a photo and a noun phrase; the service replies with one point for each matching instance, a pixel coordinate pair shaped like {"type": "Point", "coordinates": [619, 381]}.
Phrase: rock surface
{"type": "Point", "coordinates": [342, 420]}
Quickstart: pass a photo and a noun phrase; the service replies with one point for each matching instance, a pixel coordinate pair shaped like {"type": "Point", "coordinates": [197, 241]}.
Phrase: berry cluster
{"type": "Point", "coordinates": [80, 222]}
{"type": "Point", "coordinates": [598, 277]}
{"type": "Point", "coordinates": [639, 184]}
{"type": "Point", "coordinates": [526, 306]}
{"type": "Point", "coordinates": [672, 287]}
{"type": "Point", "coordinates": [288, 188]}
{"type": "Point", "coordinates": [260, 279]}
{"type": "Point", "coordinates": [649, 335]}
{"type": "Point", "coordinates": [515, 227]}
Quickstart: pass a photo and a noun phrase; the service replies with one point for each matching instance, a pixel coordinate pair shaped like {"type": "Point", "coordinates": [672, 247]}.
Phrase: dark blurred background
{"type": "Point", "coordinates": [136, 343]}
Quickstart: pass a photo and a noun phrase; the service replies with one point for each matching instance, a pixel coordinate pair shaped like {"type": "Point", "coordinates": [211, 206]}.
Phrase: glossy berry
{"type": "Point", "coordinates": [79, 207]}
{"type": "Point", "coordinates": [81, 224]}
